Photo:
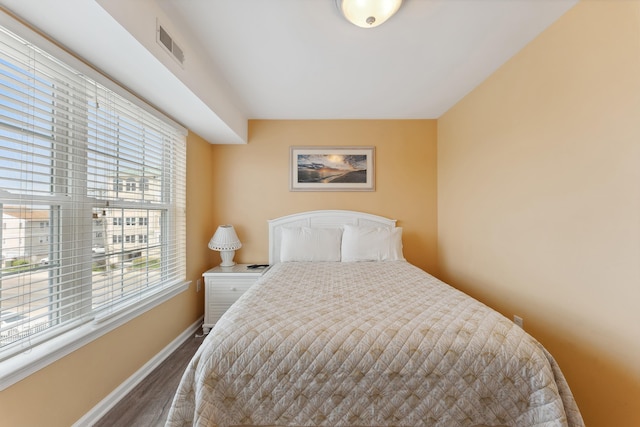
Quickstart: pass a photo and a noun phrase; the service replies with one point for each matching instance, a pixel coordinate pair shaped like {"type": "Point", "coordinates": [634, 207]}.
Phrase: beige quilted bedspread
{"type": "Point", "coordinates": [368, 344]}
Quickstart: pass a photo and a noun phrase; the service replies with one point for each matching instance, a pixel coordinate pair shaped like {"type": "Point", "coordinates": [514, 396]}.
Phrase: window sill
{"type": "Point", "coordinates": [24, 364]}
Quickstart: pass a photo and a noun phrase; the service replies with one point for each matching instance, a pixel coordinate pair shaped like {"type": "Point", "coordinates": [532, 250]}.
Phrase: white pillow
{"type": "Point", "coordinates": [310, 244]}
{"type": "Point", "coordinates": [371, 244]}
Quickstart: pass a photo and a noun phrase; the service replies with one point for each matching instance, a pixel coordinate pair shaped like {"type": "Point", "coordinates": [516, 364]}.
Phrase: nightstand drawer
{"type": "Point", "coordinates": [229, 282]}
{"type": "Point", "coordinates": [227, 292]}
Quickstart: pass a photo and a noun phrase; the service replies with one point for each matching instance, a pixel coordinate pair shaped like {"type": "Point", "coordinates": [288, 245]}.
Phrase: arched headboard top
{"type": "Point", "coordinates": [320, 219]}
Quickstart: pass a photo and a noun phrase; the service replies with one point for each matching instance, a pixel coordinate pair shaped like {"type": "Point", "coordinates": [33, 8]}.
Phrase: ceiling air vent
{"type": "Point", "coordinates": [165, 40]}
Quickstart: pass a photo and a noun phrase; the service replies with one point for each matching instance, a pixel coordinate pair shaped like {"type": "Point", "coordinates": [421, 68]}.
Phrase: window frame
{"type": "Point", "coordinates": [48, 349]}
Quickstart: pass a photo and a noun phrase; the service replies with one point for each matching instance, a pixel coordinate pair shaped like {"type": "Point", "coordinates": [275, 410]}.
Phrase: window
{"type": "Point", "coordinates": [131, 184]}
{"type": "Point", "coordinates": [73, 148]}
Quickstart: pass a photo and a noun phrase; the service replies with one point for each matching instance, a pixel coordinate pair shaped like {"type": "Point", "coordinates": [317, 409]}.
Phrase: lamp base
{"type": "Point", "coordinates": [227, 258]}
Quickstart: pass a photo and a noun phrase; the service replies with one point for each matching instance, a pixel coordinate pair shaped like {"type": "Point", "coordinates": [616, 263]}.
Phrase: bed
{"type": "Point", "coordinates": [343, 331]}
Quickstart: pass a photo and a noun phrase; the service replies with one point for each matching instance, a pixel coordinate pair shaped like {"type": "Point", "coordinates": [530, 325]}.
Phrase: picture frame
{"type": "Point", "coordinates": [332, 168]}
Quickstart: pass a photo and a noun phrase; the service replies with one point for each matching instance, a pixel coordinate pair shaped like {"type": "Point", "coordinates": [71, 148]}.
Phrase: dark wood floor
{"type": "Point", "coordinates": [147, 405]}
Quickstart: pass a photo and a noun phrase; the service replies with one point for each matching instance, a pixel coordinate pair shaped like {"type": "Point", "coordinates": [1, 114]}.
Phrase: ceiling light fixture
{"type": "Point", "coordinates": [368, 13]}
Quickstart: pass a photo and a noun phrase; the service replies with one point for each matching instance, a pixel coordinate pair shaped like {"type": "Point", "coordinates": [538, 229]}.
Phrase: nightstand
{"type": "Point", "coordinates": [222, 287]}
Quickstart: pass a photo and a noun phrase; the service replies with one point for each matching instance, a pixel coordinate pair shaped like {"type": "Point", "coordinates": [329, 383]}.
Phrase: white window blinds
{"type": "Point", "coordinates": [92, 198]}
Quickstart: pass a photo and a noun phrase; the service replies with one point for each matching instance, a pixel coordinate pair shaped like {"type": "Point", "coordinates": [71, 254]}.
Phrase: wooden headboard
{"type": "Point", "coordinates": [320, 219]}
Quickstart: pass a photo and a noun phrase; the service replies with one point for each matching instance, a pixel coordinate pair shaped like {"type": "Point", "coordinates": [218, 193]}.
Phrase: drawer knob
{"type": "Point", "coordinates": [234, 289]}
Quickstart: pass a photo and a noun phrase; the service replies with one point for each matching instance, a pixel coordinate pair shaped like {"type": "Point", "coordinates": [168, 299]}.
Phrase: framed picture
{"type": "Point", "coordinates": [332, 169]}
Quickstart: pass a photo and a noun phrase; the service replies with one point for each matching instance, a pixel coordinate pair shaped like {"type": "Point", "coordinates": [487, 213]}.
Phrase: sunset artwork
{"type": "Point", "coordinates": [317, 169]}
{"type": "Point", "coordinates": [332, 168]}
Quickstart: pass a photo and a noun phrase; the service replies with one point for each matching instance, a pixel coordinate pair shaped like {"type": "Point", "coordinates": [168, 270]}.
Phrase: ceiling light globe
{"type": "Point", "coordinates": [368, 13]}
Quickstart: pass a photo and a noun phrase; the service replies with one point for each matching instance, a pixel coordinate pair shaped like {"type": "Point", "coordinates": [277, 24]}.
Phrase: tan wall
{"type": "Point", "coordinates": [539, 200]}
{"type": "Point", "coordinates": [252, 181]}
{"type": "Point", "coordinates": [63, 392]}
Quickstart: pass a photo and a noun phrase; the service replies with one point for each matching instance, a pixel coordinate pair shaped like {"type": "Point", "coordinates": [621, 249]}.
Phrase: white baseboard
{"type": "Point", "coordinates": [105, 405]}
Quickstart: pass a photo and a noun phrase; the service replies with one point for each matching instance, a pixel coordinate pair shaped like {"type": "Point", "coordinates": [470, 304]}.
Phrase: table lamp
{"type": "Point", "coordinates": [225, 240]}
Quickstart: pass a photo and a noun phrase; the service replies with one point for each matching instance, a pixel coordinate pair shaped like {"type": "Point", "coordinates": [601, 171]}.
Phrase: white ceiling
{"type": "Point", "coordinates": [292, 59]}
